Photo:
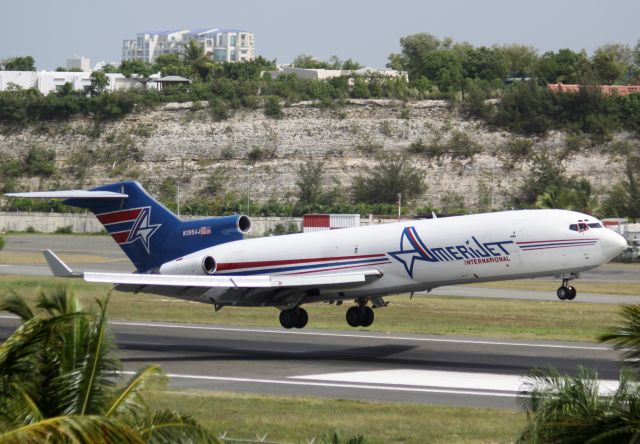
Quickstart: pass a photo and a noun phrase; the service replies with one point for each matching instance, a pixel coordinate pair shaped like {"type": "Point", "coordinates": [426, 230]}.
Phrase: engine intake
{"type": "Point", "coordinates": [190, 265]}
{"type": "Point", "coordinates": [209, 265]}
{"type": "Point", "coordinates": [243, 224]}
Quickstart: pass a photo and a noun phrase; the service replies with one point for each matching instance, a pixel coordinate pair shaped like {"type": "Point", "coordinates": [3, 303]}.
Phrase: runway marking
{"type": "Point", "coordinates": [362, 336]}
{"type": "Point", "coordinates": [351, 335]}
{"type": "Point", "coordinates": [337, 385]}
{"type": "Point", "coordinates": [441, 379]}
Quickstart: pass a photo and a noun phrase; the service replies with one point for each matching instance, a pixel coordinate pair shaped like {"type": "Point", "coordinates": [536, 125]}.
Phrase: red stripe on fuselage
{"type": "Point", "coordinates": [237, 265]}
{"type": "Point", "coordinates": [118, 216]}
{"type": "Point", "coordinates": [417, 244]}
{"type": "Point", "coordinates": [341, 268]}
{"type": "Point", "coordinates": [558, 240]}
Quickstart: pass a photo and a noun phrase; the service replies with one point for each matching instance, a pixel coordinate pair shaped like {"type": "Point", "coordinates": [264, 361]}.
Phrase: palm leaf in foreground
{"type": "Point", "coordinates": [76, 429]}
{"type": "Point", "coordinates": [576, 409]}
{"type": "Point", "coordinates": [625, 335]}
{"type": "Point", "coordinates": [58, 383]}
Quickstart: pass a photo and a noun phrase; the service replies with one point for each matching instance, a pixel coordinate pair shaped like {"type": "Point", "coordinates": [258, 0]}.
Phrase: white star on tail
{"type": "Point", "coordinates": [142, 229]}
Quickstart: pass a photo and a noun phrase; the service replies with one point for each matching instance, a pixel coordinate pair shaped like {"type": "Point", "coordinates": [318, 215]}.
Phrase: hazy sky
{"type": "Point", "coordinates": [367, 31]}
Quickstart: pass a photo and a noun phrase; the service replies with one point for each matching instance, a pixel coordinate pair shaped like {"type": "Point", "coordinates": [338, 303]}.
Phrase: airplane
{"type": "Point", "coordinates": [209, 260]}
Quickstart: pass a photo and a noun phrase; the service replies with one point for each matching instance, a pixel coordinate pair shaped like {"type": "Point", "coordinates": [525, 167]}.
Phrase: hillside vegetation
{"type": "Point", "coordinates": [474, 128]}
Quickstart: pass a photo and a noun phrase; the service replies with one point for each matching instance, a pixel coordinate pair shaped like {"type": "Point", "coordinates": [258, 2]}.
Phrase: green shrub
{"type": "Point", "coordinates": [272, 108]}
{"type": "Point", "coordinates": [518, 148]}
{"type": "Point", "coordinates": [2, 242]}
{"type": "Point", "coordinates": [255, 154]}
{"type": "Point", "coordinates": [64, 230]}
{"type": "Point", "coordinates": [219, 110]}
{"type": "Point", "coordinates": [30, 229]}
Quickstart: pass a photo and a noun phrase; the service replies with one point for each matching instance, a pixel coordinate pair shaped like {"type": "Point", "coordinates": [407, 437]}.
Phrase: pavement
{"type": "Point", "coordinates": [347, 365]}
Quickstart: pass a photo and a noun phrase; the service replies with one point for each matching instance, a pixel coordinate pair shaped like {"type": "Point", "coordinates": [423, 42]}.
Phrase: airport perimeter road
{"type": "Point", "coordinates": [347, 364]}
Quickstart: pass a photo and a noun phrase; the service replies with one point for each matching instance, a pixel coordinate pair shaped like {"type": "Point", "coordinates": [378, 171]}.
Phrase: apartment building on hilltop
{"type": "Point", "coordinates": [221, 45]}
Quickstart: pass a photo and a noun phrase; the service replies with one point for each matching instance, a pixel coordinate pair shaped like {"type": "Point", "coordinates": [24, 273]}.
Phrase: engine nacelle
{"type": "Point", "coordinates": [194, 265]}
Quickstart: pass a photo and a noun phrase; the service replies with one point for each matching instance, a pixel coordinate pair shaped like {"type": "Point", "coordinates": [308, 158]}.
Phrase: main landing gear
{"type": "Point", "coordinates": [360, 316]}
{"type": "Point", "coordinates": [294, 317]}
{"type": "Point", "coordinates": [566, 291]}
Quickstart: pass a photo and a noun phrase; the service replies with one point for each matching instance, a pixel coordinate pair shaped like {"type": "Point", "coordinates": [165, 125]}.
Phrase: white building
{"type": "Point", "coordinates": [48, 81]}
{"type": "Point", "coordinates": [223, 45]}
{"type": "Point", "coordinates": [323, 74]}
{"type": "Point", "coordinates": [81, 63]}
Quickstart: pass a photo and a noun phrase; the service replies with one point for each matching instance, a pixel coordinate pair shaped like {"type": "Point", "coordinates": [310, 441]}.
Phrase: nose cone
{"type": "Point", "coordinates": [612, 244]}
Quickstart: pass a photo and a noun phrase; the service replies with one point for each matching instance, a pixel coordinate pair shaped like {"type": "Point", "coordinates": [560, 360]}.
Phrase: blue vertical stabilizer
{"type": "Point", "coordinates": [149, 233]}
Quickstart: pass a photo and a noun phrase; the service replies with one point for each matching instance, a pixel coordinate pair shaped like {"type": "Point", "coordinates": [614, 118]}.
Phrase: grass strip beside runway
{"type": "Point", "coordinates": [299, 419]}
{"type": "Point", "coordinates": [572, 321]}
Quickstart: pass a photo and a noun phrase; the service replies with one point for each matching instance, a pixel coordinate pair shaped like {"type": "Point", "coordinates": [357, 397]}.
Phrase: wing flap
{"type": "Point", "coordinates": [221, 281]}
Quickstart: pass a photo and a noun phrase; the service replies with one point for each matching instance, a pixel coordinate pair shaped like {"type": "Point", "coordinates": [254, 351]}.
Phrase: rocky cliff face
{"type": "Point", "coordinates": [251, 152]}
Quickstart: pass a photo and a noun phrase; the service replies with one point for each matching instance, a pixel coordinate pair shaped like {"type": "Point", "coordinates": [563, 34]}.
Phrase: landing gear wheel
{"type": "Point", "coordinates": [303, 318]}
{"type": "Point", "coordinates": [288, 318]}
{"type": "Point", "coordinates": [353, 316]}
{"type": "Point", "coordinates": [572, 293]}
{"type": "Point", "coordinates": [563, 293]}
{"type": "Point", "coordinates": [367, 319]}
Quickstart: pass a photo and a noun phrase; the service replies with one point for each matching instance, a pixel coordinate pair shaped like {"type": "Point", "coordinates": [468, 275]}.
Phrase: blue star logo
{"type": "Point", "coordinates": [412, 249]}
{"type": "Point", "coordinates": [142, 229]}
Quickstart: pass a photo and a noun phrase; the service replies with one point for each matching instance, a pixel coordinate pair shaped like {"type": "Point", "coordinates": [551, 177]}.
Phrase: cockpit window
{"type": "Point", "coordinates": [582, 226]}
{"type": "Point", "coordinates": [594, 225]}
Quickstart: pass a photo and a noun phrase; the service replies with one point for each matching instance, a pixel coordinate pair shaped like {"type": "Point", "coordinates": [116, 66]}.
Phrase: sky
{"type": "Point", "coordinates": [366, 31]}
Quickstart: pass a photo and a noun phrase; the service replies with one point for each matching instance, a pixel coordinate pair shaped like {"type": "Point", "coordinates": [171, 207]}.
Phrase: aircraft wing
{"type": "Point", "coordinates": [60, 269]}
{"type": "Point", "coordinates": [222, 281]}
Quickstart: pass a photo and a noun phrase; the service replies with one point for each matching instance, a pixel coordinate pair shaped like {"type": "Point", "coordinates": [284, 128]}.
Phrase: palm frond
{"type": "Point", "coordinates": [572, 409]}
{"type": "Point", "coordinates": [59, 302]}
{"type": "Point", "coordinates": [90, 383]}
{"type": "Point", "coordinates": [168, 427]}
{"type": "Point", "coordinates": [625, 335]}
{"type": "Point", "coordinates": [16, 304]}
{"type": "Point", "coordinates": [77, 429]}
{"type": "Point", "coordinates": [128, 399]}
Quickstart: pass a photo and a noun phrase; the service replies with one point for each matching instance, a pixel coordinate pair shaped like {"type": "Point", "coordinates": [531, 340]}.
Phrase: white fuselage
{"type": "Point", "coordinates": [417, 255]}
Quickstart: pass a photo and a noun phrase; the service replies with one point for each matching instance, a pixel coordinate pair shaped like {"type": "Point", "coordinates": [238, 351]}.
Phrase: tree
{"type": "Point", "coordinates": [485, 64]}
{"type": "Point", "coordinates": [624, 197]}
{"type": "Point", "coordinates": [57, 380]}
{"type": "Point", "coordinates": [20, 64]}
{"type": "Point", "coordinates": [309, 183]}
{"type": "Point", "coordinates": [611, 63]}
{"type": "Point", "coordinates": [99, 83]}
{"type": "Point", "coordinates": [565, 66]}
{"type": "Point", "coordinates": [172, 65]}
{"type": "Point", "coordinates": [136, 69]}
{"type": "Point", "coordinates": [389, 177]}
{"type": "Point", "coordinates": [521, 59]}
{"type": "Point", "coordinates": [194, 56]}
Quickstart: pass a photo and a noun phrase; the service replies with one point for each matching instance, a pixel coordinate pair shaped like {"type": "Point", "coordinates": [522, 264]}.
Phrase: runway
{"type": "Point", "coordinates": [347, 365]}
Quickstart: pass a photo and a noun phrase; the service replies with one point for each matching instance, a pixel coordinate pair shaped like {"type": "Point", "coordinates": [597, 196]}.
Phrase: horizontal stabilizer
{"type": "Point", "coordinates": [58, 268]}
{"type": "Point", "coordinates": [221, 281]}
{"type": "Point", "coordinates": [71, 194]}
